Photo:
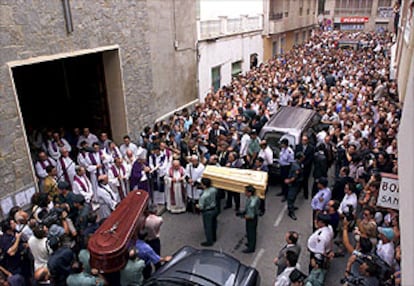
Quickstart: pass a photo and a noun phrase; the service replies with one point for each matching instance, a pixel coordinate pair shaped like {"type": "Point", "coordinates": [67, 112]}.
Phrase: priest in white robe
{"type": "Point", "coordinates": [107, 199]}
{"type": "Point", "coordinates": [175, 192]}
{"type": "Point", "coordinates": [118, 178]}
{"type": "Point", "coordinates": [65, 167]}
{"type": "Point", "coordinates": [82, 185]}
{"type": "Point", "coordinates": [193, 173]}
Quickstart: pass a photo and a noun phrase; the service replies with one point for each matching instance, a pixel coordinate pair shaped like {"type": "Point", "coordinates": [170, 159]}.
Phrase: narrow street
{"type": "Point", "coordinates": [186, 229]}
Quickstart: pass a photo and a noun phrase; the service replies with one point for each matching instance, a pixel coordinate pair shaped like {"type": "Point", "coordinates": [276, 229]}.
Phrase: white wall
{"type": "Point", "coordinates": [212, 9]}
{"type": "Point", "coordinates": [406, 180]}
{"type": "Point", "coordinates": [224, 51]}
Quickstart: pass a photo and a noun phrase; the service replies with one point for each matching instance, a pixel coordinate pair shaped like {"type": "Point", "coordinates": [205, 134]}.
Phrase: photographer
{"type": "Point", "coordinates": [348, 205]}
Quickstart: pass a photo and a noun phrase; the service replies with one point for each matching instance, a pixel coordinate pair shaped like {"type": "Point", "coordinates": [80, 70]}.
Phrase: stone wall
{"type": "Point", "coordinates": [30, 29]}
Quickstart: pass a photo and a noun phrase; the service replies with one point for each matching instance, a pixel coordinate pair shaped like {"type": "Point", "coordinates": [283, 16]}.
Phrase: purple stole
{"type": "Point", "coordinates": [65, 172]}
{"type": "Point", "coordinates": [54, 146]}
{"type": "Point", "coordinates": [115, 154]}
{"type": "Point", "coordinates": [116, 174]}
{"type": "Point", "coordinates": [81, 184]}
{"type": "Point", "coordinates": [42, 163]}
{"type": "Point", "coordinates": [94, 162]}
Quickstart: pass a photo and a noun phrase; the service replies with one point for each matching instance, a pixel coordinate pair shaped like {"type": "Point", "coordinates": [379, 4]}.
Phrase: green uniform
{"type": "Point", "coordinates": [296, 173]}
{"type": "Point", "coordinates": [84, 257]}
{"type": "Point", "coordinates": [316, 277]}
{"type": "Point", "coordinates": [83, 279]}
{"type": "Point", "coordinates": [251, 214]}
{"type": "Point", "coordinates": [132, 273]}
{"type": "Point", "coordinates": [207, 205]}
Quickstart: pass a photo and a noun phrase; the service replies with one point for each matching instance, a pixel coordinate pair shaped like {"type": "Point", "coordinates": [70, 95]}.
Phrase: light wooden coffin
{"type": "Point", "coordinates": [236, 180]}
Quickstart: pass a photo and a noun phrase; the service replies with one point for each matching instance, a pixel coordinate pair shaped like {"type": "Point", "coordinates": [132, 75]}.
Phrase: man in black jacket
{"type": "Point", "coordinates": [308, 151]}
{"type": "Point", "coordinates": [320, 167]}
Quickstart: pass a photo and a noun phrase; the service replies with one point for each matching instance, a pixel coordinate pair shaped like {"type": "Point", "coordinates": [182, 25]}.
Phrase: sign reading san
{"type": "Point", "coordinates": [389, 193]}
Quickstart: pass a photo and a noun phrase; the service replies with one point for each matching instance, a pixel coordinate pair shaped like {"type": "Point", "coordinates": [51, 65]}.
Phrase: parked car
{"type": "Point", "coordinates": [206, 267]}
{"type": "Point", "coordinates": [289, 123]}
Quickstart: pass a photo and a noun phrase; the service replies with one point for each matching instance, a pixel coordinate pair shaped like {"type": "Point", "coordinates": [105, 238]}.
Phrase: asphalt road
{"type": "Point", "coordinates": [186, 229]}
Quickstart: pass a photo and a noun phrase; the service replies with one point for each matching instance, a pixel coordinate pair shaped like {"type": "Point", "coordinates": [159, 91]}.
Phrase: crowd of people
{"type": "Point", "coordinates": [83, 177]}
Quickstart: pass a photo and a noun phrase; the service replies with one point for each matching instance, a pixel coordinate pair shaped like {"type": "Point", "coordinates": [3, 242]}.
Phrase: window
{"type": "Point", "coordinates": [384, 3]}
{"type": "Point", "coordinates": [282, 44]}
{"type": "Point", "coordinates": [276, 10]}
{"type": "Point", "coordinates": [300, 7]}
{"type": "Point", "coordinates": [296, 38]}
{"type": "Point", "coordinates": [286, 7]}
{"type": "Point", "coordinates": [303, 36]}
{"type": "Point", "coordinates": [236, 68]}
{"type": "Point", "coordinates": [215, 77]}
{"type": "Point", "coordinates": [275, 50]}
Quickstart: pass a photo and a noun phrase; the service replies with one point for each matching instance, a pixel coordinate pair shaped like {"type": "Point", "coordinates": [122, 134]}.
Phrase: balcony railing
{"type": "Point", "coordinates": [385, 12]}
{"type": "Point", "coordinates": [275, 16]}
{"type": "Point", "coordinates": [223, 26]}
{"type": "Point", "coordinates": [353, 11]}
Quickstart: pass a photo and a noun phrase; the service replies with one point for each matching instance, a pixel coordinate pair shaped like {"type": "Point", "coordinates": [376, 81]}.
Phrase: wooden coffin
{"type": "Point", "coordinates": [109, 245]}
{"type": "Point", "coordinates": [237, 179]}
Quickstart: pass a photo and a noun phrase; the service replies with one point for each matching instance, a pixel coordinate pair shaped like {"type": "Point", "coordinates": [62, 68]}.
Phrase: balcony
{"type": "Point", "coordinates": [275, 16]}
{"type": "Point", "coordinates": [353, 11]}
{"type": "Point", "coordinates": [223, 26]}
{"type": "Point", "coordinates": [277, 26]}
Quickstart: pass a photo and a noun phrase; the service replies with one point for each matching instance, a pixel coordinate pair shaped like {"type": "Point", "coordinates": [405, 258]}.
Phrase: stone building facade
{"type": "Point", "coordinates": [148, 56]}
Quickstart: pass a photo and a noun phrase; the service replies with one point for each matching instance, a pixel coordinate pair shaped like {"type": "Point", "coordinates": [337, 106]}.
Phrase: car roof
{"type": "Point", "coordinates": [291, 117]}
{"type": "Point", "coordinates": [204, 267]}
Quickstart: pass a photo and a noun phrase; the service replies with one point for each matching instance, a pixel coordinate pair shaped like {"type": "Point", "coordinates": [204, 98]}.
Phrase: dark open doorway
{"type": "Point", "coordinates": [68, 92]}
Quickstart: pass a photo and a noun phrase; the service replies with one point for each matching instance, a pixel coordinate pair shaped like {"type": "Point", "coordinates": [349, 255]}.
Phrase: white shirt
{"type": "Point", "coordinates": [283, 278]}
{"type": "Point", "coordinates": [321, 240]}
{"type": "Point", "coordinates": [244, 144]}
{"type": "Point", "coordinates": [90, 139]}
{"type": "Point", "coordinates": [40, 251]}
{"type": "Point", "coordinates": [153, 226]}
{"type": "Point", "coordinates": [131, 146]}
{"type": "Point", "coordinates": [386, 251]}
{"type": "Point", "coordinates": [267, 155]}
{"type": "Point", "coordinates": [348, 200]}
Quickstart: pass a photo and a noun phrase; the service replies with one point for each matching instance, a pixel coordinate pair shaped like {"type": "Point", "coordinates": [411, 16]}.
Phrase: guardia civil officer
{"type": "Point", "coordinates": [294, 182]}
{"type": "Point", "coordinates": [250, 214]}
{"type": "Point", "coordinates": [207, 206]}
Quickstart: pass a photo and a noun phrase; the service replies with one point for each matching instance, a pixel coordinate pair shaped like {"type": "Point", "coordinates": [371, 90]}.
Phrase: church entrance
{"type": "Point", "coordinates": [76, 90]}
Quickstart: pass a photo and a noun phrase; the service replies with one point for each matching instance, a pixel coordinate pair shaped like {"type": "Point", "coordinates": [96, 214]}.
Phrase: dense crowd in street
{"type": "Point", "coordinates": [83, 176]}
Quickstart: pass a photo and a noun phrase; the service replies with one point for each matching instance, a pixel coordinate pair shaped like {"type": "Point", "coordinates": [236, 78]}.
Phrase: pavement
{"type": "Point", "coordinates": [186, 229]}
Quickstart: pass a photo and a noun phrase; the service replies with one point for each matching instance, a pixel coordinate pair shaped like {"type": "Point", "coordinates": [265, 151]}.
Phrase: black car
{"type": "Point", "coordinates": [190, 266]}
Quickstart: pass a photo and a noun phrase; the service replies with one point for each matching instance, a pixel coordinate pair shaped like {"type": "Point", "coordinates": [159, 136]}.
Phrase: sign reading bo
{"type": "Point", "coordinates": [389, 192]}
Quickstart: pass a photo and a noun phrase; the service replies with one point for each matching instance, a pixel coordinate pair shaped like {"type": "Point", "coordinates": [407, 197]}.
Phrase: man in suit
{"type": "Point", "coordinates": [291, 238]}
{"type": "Point", "coordinates": [308, 150]}
{"type": "Point", "coordinates": [213, 137]}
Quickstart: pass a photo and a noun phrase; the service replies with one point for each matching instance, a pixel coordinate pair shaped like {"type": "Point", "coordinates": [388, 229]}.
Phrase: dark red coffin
{"type": "Point", "coordinates": [109, 245]}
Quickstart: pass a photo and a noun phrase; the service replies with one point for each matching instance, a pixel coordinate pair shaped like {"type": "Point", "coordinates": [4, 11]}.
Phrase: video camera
{"type": "Point", "coordinates": [384, 271]}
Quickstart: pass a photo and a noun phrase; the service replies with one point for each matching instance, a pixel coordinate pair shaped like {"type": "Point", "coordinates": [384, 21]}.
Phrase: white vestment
{"type": "Point", "coordinates": [107, 200]}
{"type": "Point", "coordinates": [175, 191]}
{"type": "Point", "coordinates": [194, 173]}
{"type": "Point", "coordinates": [82, 186]}
{"type": "Point", "coordinates": [66, 169]}
{"type": "Point", "coordinates": [118, 180]}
